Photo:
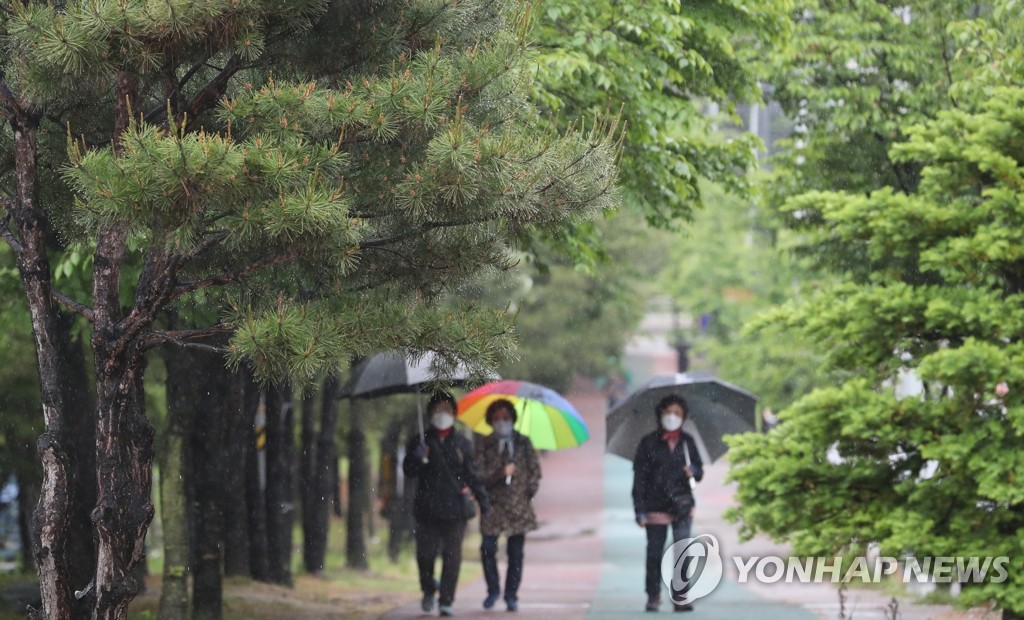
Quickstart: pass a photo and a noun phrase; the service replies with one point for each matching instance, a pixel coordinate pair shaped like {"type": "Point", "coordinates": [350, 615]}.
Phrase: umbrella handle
{"type": "Point", "coordinates": [419, 419]}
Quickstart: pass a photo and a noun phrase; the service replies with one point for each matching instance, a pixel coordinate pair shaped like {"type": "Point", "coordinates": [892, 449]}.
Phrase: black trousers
{"type": "Point", "coordinates": [514, 574]}
{"type": "Point", "coordinates": [656, 535]}
{"type": "Point", "coordinates": [442, 538]}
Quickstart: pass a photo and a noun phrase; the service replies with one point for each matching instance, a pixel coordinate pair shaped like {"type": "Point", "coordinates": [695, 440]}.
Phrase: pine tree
{"type": "Point", "coordinates": [321, 173]}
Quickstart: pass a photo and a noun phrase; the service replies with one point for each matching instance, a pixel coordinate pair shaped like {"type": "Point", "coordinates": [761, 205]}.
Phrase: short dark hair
{"type": "Point", "coordinates": [441, 396]}
{"type": "Point", "coordinates": [671, 399]}
{"type": "Point", "coordinates": [501, 403]}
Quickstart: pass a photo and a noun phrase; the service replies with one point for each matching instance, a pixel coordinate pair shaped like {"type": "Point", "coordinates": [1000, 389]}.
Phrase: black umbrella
{"type": "Point", "coordinates": [715, 408]}
{"type": "Point", "coordinates": [397, 372]}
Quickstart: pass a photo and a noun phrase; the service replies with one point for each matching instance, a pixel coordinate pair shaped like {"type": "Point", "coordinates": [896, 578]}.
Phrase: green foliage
{"type": "Point", "coordinates": [336, 168]}
{"type": "Point", "coordinates": [936, 298]}
{"type": "Point", "coordinates": [723, 273]}
{"type": "Point", "coordinates": [575, 321]}
{"type": "Point", "coordinates": [659, 62]}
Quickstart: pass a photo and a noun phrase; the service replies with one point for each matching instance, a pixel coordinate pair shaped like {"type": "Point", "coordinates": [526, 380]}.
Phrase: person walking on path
{"type": "Point", "coordinates": [510, 470]}
{"type": "Point", "coordinates": [665, 466]}
{"type": "Point", "coordinates": [442, 461]}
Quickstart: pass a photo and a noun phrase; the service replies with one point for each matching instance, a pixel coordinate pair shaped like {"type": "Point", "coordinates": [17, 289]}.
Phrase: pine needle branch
{"type": "Point", "coordinates": [232, 276]}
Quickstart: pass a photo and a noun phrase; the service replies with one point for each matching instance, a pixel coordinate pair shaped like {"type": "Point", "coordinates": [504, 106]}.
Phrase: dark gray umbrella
{"type": "Point", "coordinates": [715, 408]}
{"type": "Point", "coordinates": [397, 372]}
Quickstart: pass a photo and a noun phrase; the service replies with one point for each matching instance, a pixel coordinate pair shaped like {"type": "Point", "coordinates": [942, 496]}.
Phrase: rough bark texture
{"type": "Point", "coordinates": [51, 521]}
{"type": "Point", "coordinates": [280, 489]}
{"type": "Point", "coordinates": [173, 506]}
{"type": "Point", "coordinates": [255, 479]}
{"type": "Point", "coordinates": [358, 490]}
{"type": "Point", "coordinates": [315, 528]}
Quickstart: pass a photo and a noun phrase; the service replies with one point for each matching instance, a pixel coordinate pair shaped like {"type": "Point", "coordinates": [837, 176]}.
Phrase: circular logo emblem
{"type": "Point", "coordinates": [692, 568]}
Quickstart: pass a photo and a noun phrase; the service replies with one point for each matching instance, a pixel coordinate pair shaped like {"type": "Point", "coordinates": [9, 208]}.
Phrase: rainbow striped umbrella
{"type": "Point", "coordinates": [542, 414]}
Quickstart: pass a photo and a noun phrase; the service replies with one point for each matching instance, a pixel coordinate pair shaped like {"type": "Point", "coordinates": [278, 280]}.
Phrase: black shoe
{"type": "Point", "coordinates": [490, 601]}
{"type": "Point", "coordinates": [512, 604]}
{"type": "Point", "coordinates": [653, 603]}
{"type": "Point", "coordinates": [427, 604]}
{"type": "Point", "coordinates": [686, 607]}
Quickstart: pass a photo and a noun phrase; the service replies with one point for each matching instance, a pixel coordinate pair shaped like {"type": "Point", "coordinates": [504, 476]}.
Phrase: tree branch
{"type": "Point", "coordinates": [79, 309]}
{"type": "Point", "coordinates": [377, 243]}
{"type": "Point", "coordinates": [185, 338]}
{"type": "Point", "coordinates": [10, 107]}
{"type": "Point", "coordinates": [233, 276]}
{"type": "Point", "coordinates": [5, 231]}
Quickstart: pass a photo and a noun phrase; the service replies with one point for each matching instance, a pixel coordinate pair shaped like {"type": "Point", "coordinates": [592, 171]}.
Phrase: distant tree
{"type": "Point", "coordinates": [318, 172]}
{"type": "Point", "coordinates": [661, 63]}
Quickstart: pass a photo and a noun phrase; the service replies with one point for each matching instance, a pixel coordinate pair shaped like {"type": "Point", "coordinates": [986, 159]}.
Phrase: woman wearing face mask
{"type": "Point", "coordinates": [443, 463]}
{"type": "Point", "coordinates": [510, 469]}
{"type": "Point", "coordinates": [666, 462]}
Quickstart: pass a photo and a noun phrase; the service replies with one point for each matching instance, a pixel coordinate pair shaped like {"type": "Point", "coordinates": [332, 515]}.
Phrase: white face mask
{"type": "Point", "coordinates": [502, 428]}
{"type": "Point", "coordinates": [671, 422]}
{"type": "Point", "coordinates": [442, 421]}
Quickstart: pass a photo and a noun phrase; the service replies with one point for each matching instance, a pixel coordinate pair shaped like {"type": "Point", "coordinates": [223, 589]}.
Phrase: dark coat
{"type": "Point", "coordinates": [513, 509]}
{"type": "Point", "coordinates": [660, 483]}
{"type": "Point", "coordinates": [438, 492]}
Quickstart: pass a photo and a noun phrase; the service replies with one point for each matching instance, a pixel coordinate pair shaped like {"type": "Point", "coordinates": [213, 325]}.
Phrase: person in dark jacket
{"type": "Point", "coordinates": [665, 466]}
{"type": "Point", "coordinates": [510, 469]}
{"type": "Point", "coordinates": [443, 464]}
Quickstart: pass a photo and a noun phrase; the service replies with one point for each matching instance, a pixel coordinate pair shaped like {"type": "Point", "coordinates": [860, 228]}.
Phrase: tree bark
{"type": "Point", "coordinates": [307, 483]}
{"type": "Point", "coordinates": [255, 481]}
{"type": "Point", "coordinates": [323, 479]}
{"type": "Point", "coordinates": [124, 461]}
{"type": "Point", "coordinates": [51, 522]}
{"type": "Point", "coordinates": [280, 490]}
{"type": "Point", "coordinates": [238, 424]}
{"type": "Point", "coordinates": [214, 403]}
{"type": "Point", "coordinates": [173, 505]}
{"type": "Point", "coordinates": [358, 484]}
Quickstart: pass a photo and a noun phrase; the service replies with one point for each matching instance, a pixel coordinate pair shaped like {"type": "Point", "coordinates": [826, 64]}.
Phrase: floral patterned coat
{"type": "Point", "coordinates": [513, 509]}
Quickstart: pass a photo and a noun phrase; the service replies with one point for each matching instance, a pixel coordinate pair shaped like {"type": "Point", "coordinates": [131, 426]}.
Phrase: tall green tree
{"type": "Point", "coordinates": [322, 172]}
{"type": "Point", "coordinates": [936, 298]}
{"type": "Point", "coordinates": [661, 63]}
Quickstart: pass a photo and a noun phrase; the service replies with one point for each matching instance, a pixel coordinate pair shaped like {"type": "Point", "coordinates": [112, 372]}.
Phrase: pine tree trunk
{"type": "Point", "coordinates": [255, 481]}
{"type": "Point", "coordinates": [215, 401]}
{"type": "Point", "coordinates": [358, 481]}
{"type": "Point", "coordinates": [238, 440]}
{"type": "Point", "coordinates": [323, 477]}
{"type": "Point", "coordinates": [52, 519]}
{"type": "Point", "coordinates": [280, 490]}
{"type": "Point", "coordinates": [173, 504]}
{"type": "Point", "coordinates": [124, 460]}
{"type": "Point", "coordinates": [307, 484]}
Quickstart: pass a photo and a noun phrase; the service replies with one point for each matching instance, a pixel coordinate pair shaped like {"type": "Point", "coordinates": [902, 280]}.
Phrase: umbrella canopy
{"type": "Point", "coordinates": [397, 372]}
{"type": "Point", "coordinates": [542, 414]}
{"type": "Point", "coordinates": [715, 408]}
